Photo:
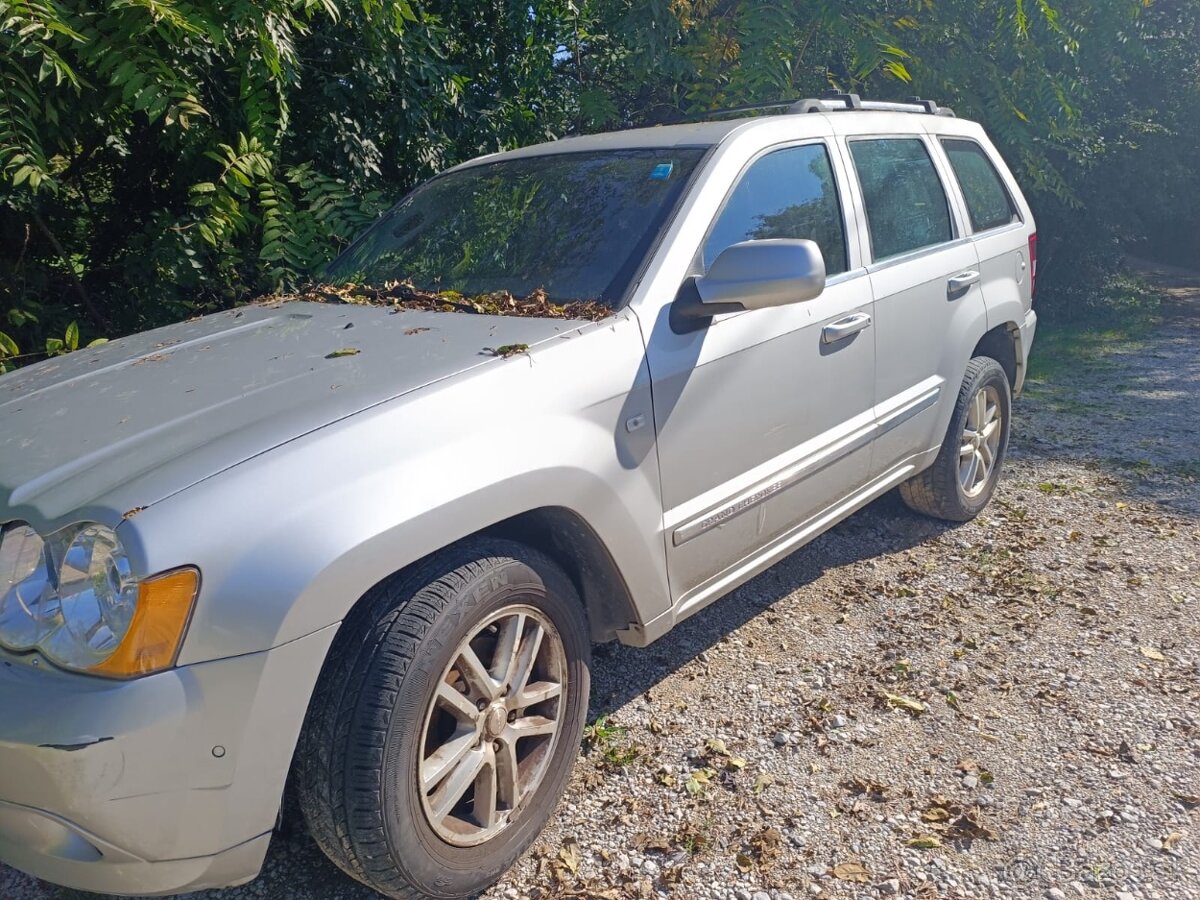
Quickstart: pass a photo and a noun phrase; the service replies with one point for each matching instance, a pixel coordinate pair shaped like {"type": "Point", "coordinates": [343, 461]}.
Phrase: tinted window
{"type": "Point", "coordinates": [785, 194]}
{"type": "Point", "coordinates": [574, 224]}
{"type": "Point", "coordinates": [906, 204]}
{"type": "Point", "coordinates": [988, 200]}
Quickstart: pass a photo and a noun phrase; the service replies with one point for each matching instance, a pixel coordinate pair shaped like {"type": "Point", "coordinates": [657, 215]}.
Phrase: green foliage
{"type": "Point", "coordinates": [164, 158]}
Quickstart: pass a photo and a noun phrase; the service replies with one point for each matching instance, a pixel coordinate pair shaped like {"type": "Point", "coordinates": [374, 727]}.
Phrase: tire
{"type": "Point", "coordinates": [375, 738]}
{"type": "Point", "coordinates": [941, 490]}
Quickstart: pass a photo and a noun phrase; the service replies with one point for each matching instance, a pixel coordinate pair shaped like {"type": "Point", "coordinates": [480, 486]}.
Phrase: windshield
{"type": "Point", "coordinates": [576, 225]}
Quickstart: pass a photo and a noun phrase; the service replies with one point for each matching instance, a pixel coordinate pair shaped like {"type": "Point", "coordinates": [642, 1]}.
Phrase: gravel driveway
{"type": "Point", "coordinates": [1009, 708]}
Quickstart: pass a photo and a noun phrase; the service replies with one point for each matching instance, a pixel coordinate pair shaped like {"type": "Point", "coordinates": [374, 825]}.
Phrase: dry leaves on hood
{"type": "Point", "coordinates": [405, 295]}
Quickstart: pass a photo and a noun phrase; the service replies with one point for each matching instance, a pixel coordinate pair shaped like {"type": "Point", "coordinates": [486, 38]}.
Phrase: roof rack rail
{"type": "Point", "coordinates": [834, 101]}
{"type": "Point", "coordinates": [751, 107]}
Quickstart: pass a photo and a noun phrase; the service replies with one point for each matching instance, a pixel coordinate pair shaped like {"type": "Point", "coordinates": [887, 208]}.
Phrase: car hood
{"type": "Point", "coordinates": [110, 429]}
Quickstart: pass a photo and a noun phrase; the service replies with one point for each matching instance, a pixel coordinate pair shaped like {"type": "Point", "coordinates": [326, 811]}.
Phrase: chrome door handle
{"type": "Point", "coordinates": [844, 328]}
{"type": "Point", "coordinates": [961, 282]}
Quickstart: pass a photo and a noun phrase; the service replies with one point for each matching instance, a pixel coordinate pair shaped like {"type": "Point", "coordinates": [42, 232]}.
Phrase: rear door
{"type": "Point", "coordinates": [924, 274]}
{"type": "Point", "coordinates": [1001, 237]}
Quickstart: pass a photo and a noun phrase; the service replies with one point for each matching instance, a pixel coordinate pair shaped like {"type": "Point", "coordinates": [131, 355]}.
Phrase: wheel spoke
{"type": "Point", "coordinates": [435, 767]}
{"type": "Point", "coordinates": [447, 795]}
{"type": "Point", "coordinates": [985, 455]}
{"type": "Point", "coordinates": [526, 658]}
{"type": "Point", "coordinates": [965, 451]}
{"type": "Point", "coordinates": [475, 673]}
{"type": "Point", "coordinates": [485, 792]}
{"type": "Point", "coordinates": [530, 726]}
{"type": "Point", "coordinates": [991, 414]}
{"type": "Point", "coordinates": [508, 775]}
{"type": "Point", "coordinates": [456, 703]}
{"type": "Point", "coordinates": [980, 470]}
{"type": "Point", "coordinates": [508, 645]}
{"type": "Point", "coordinates": [538, 692]}
{"type": "Point", "coordinates": [967, 475]}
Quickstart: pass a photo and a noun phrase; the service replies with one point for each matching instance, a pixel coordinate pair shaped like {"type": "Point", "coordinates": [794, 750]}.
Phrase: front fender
{"type": "Point", "coordinates": [289, 541]}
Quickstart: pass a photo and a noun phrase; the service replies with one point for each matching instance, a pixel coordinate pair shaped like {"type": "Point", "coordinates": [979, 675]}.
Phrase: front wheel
{"type": "Point", "coordinates": [447, 721]}
{"type": "Point", "coordinates": [963, 478]}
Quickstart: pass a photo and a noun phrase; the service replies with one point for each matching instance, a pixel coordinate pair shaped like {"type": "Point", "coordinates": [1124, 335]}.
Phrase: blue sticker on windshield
{"type": "Point", "coordinates": [662, 171]}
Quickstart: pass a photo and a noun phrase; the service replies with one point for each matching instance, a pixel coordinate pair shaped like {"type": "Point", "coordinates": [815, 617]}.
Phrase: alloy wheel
{"type": "Point", "coordinates": [491, 725]}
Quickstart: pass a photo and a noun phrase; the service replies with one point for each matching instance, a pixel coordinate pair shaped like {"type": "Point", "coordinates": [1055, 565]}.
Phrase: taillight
{"type": "Point", "coordinates": [1032, 263]}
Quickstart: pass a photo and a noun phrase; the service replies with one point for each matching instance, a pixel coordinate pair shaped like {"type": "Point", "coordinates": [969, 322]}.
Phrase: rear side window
{"type": "Point", "coordinates": [988, 200]}
{"type": "Point", "coordinates": [788, 193]}
{"type": "Point", "coordinates": [906, 203]}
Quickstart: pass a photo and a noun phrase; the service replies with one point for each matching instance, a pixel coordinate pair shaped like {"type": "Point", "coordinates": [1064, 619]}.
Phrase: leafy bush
{"type": "Point", "coordinates": [164, 158]}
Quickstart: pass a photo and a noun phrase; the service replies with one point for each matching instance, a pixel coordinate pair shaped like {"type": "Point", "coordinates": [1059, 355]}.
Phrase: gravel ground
{"type": "Point", "coordinates": [1009, 708]}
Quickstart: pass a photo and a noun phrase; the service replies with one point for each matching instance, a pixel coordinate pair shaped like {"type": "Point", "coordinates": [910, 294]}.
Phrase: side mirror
{"type": "Point", "coordinates": [750, 275]}
{"type": "Point", "coordinates": [758, 274]}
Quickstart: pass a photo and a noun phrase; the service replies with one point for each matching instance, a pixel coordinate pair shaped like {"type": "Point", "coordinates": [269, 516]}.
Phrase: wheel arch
{"type": "Point", "coordinates": [567, 538]}
{"type": "Point", "coordinates": [1002, 344]}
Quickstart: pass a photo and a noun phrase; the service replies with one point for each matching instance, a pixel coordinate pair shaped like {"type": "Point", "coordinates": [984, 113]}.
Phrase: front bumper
{"type": "Point", "coordinates": [153, 786]}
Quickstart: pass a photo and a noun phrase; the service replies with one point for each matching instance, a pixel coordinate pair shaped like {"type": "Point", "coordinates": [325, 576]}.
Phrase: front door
{"type": "Point", "coordinates": [764, 418]}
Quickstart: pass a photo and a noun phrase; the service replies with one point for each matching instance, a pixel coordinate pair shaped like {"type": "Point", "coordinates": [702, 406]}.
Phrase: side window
{"type": "Point", "coordinates": [988, 200]}
{"type": "Point", "coordinates": [906, 203]}
{"type": "Point", "coordinates": [788, 193]}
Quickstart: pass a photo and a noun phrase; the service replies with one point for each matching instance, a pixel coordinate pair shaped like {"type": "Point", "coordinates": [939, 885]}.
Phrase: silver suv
{"type": "Point", "coordinates": [367, 546]}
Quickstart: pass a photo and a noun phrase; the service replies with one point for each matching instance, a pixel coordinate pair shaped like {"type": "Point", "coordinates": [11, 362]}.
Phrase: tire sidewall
{"type": "Point", "coordinates": [429, 863]}
{"type": "Point", "coordinates": [989, 373]}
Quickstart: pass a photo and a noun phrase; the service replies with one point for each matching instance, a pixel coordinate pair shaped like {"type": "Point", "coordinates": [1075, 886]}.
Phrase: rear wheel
{"type": "Point", "coordinates": [962, 479]}
{"type": "Point", "coordinates": [447, 721]}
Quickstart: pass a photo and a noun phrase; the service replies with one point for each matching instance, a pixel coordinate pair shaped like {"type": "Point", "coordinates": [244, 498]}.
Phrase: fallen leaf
{"type": "Point", "coordinates": [568, 855]}
{"type": "Point", "coordinates": [716, 745]}
{"type": "Point", "coordinates": [899, 701]}
{"type": "Point", "coordinates": [645, 842]}
{"type": "Point", "coordinates": [925, 842]}
{"type": "Point", "coordinates": [873, 790]}
{"type": "Point", "coordinates": [411, 331]}
{"type": "Point", "coordinates": [1191, 801]}
{"type": "Point", "coordinates": [506, 350]}
{"type": "Point", "coordinates": [1152, 653]}
{"type": "Point", "coordinates": [743, 862]}
{"type": "Point", "coordinates": [1171, 840]}
{"type": "Point", "coordinates": [968, 826]}
{"type": "Point", "coordinates": [345, 351]}
{"type": "Point", "coordinates": [698, 781]}
{"type": "Point", "coordinates": [851, 871]}
{"type": "Point", "coordinates": [762, 782]}
{"type": "Point", "coordinates": [765, 846]}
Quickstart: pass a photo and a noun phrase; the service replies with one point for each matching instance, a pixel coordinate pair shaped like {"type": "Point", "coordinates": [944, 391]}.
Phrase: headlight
{"type": "Point", "coordinates": [27, 590]}
{"type": "Point", "coordinates": [97, 596]}
{"type": "Point", "coordinates": [73, 596]}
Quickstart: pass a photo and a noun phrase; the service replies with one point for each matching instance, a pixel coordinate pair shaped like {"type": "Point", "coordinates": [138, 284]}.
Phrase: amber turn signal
{"type": "Point", "coordinates": [152, 642]}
